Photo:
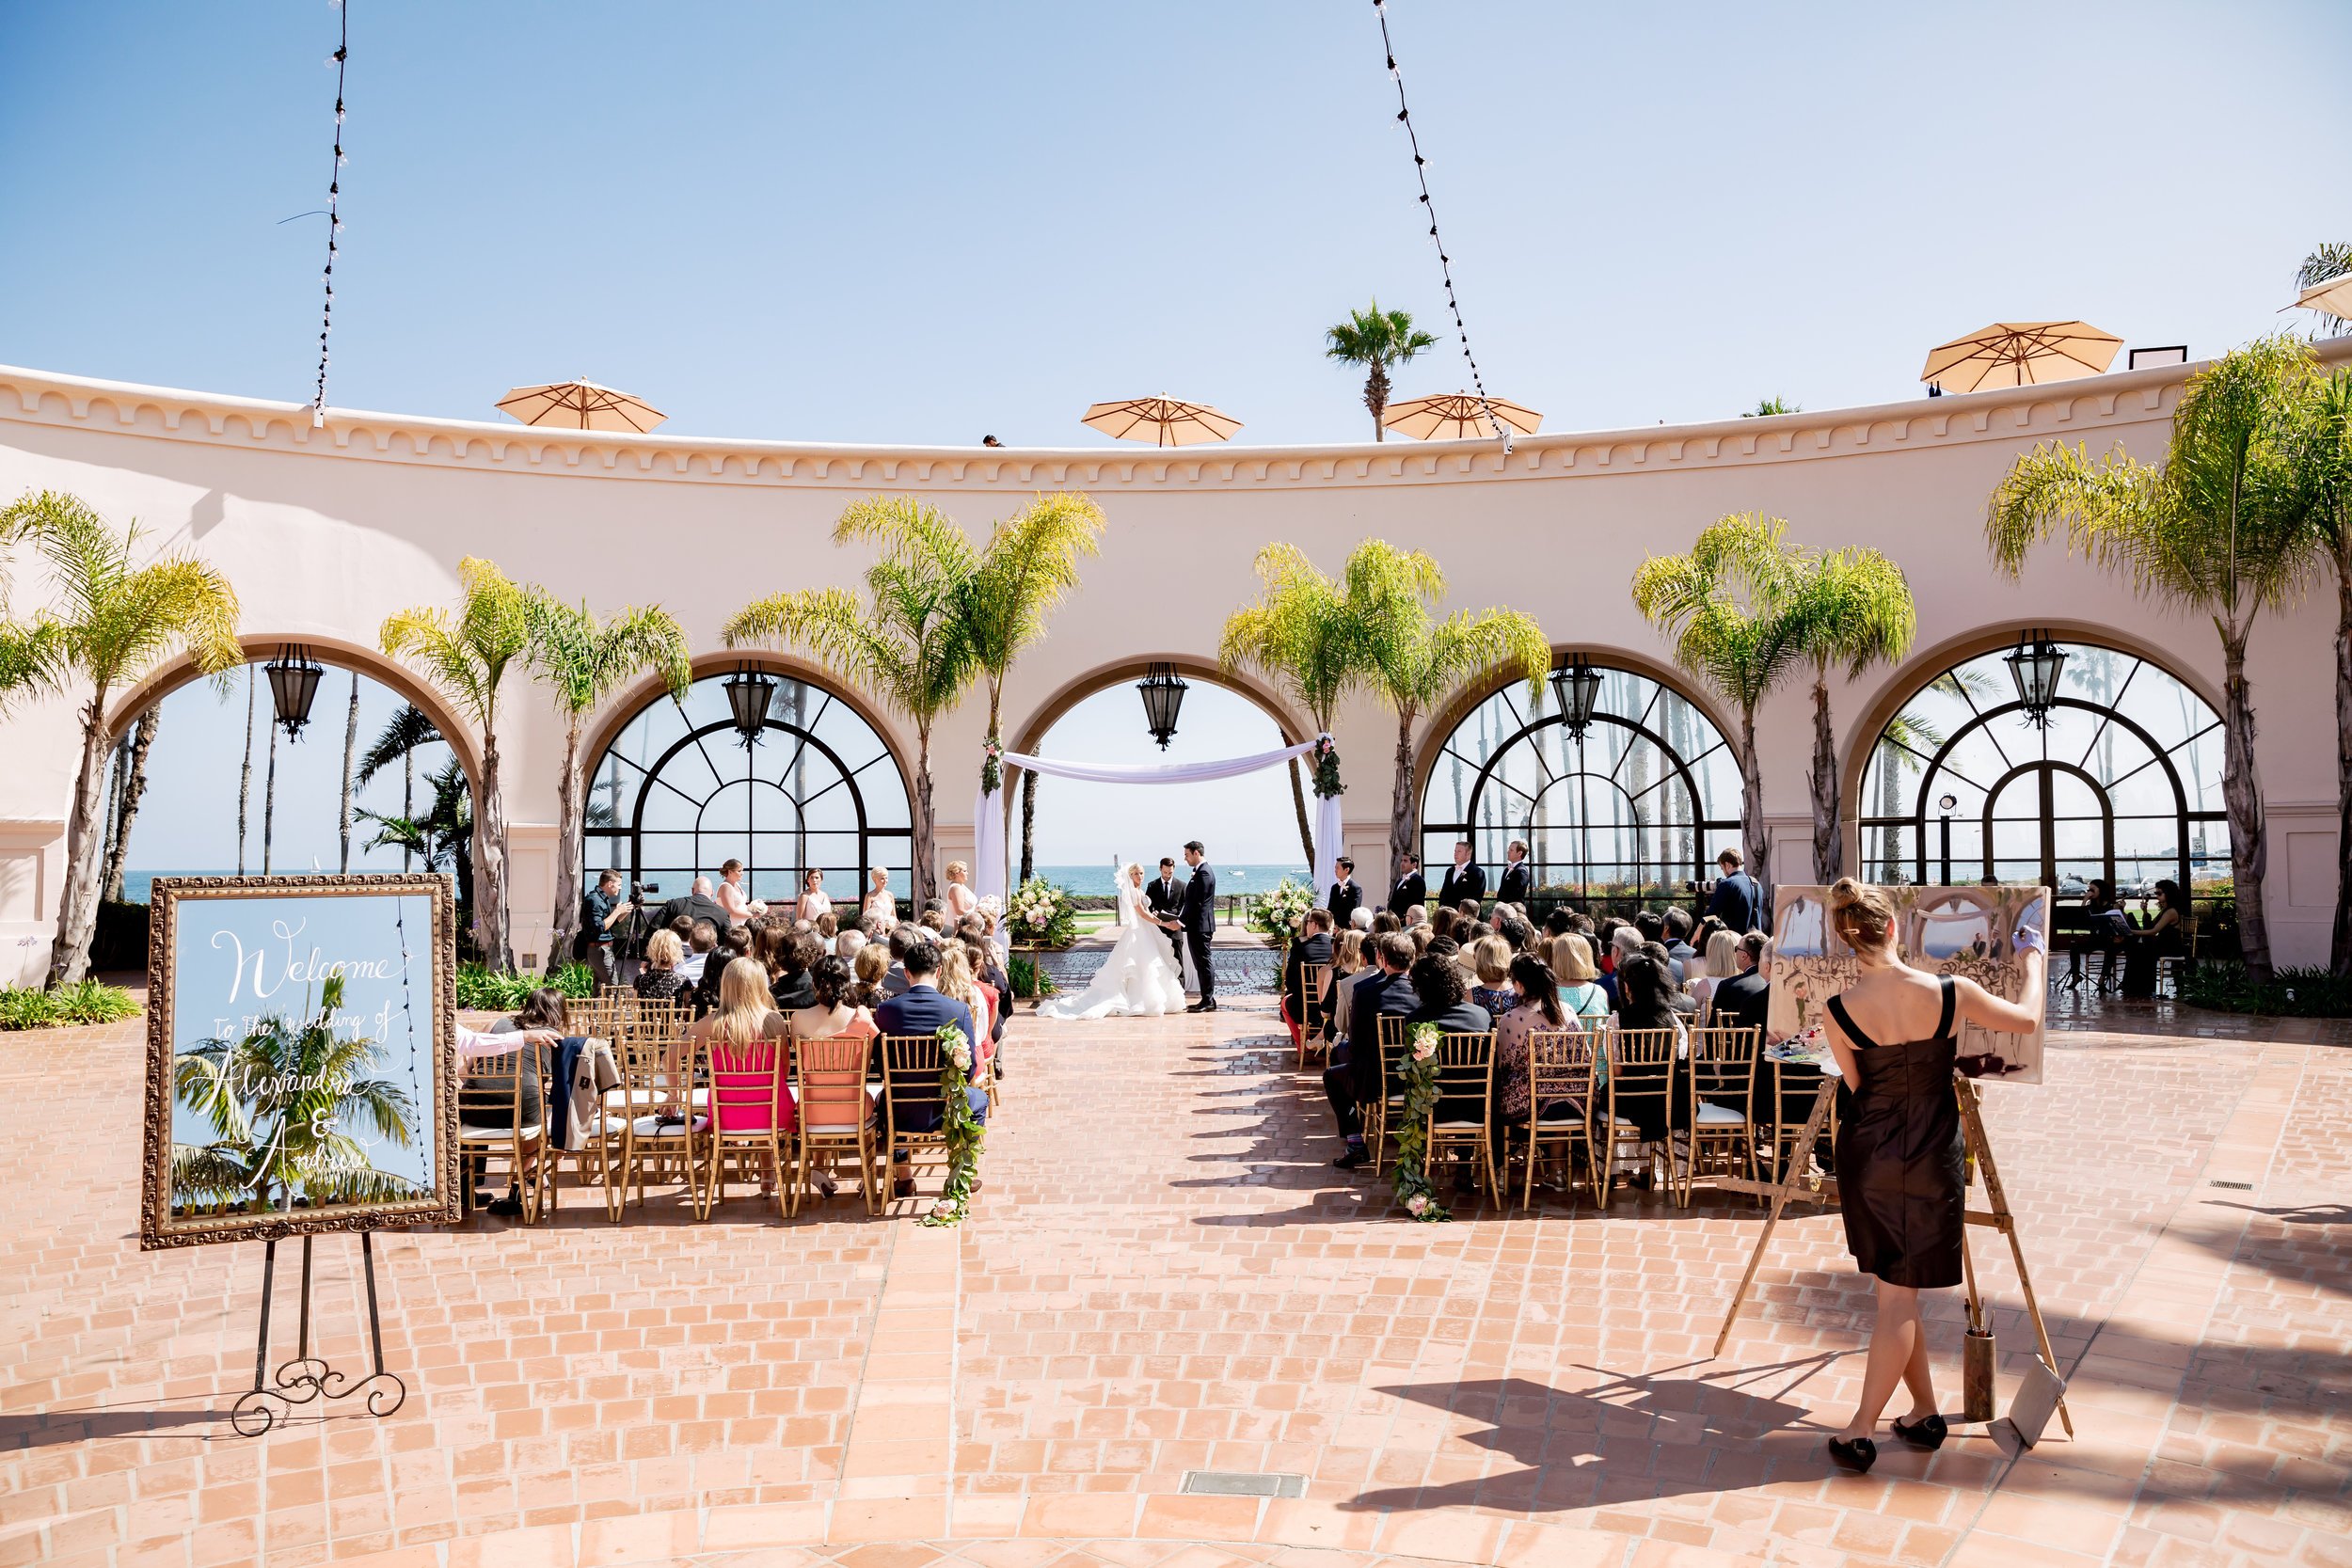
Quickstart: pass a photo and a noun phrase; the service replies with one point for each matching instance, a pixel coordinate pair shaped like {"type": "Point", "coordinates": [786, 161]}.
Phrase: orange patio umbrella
{"type": "Point", "coordinates": [580, 405]}
{"type": "Point", "coordinates": [2020, 354]}
{"type": "Point", "coordinates": [1457, 415]}
{"type": "Point", "coordinates": [1162, 421]}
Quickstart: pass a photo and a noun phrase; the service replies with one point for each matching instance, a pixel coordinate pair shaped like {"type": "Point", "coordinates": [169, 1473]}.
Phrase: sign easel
{"type": "Point", "coordinates": [1799, 1182]}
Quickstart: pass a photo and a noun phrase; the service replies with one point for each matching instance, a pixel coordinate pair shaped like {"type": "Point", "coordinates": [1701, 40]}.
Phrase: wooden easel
{"type": "Point", "coordinates": [1799, 1180]}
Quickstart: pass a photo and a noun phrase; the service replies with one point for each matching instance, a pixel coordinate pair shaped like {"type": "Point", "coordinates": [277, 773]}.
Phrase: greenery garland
{"type": "Point", "coordinates": [992, 767]}
{"type": "Point", "coordinates": [1327, 756]}
{"type": "Point", "coordinates": [1419, 1070]}
{"type": "Point", "coordinates": [964, 1131]}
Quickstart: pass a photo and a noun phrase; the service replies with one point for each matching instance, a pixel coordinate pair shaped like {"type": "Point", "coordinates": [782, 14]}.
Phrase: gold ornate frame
{"type": "Point", "coordinates": [158, 1226]}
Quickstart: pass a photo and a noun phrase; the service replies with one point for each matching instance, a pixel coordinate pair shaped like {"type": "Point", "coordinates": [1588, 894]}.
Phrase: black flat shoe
{"type": "Point", "coordinates": [1350, 1160]}
{"type": "Point", "coordinates": [1927, 1433]}
{"type": "Point", "coordinates": [1857, 1456]}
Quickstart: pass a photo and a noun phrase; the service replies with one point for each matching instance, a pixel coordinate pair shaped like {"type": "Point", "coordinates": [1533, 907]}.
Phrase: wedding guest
{"type": "Point", "coordinates": [1491, 961]}
{"type": "Point", "coordinates": [537, 1030]}
{"type": "Point", "coordinates": [1677, 937]}
{"type": "Point", "coordinates": [735, 944]}
{"type": "Point", "coordinates": [1518, 881]}
{"type": "Point", "coordinates": [1384, 921]}
{"type": "Point", "coordinates": [894, 980]}
{"type": "Point", "coordinates": [1737, 901]}
{"type": "Point", "coordinates": [879, 905]}
{"type": "Point", "coordinates": [601, 910]}
{"type": "Point", "coordinates": [813, 901]}
{"type": "Point", "coordinates": [1644, 992]}
{"type": "Point", "coordinates": [737, 1037]}
{"type": "Point", "coordinates": [1360, 919]}
{"type": "Point", "coordinates": [871, 966]}
{"type": "Point", "coordinates": [1579, 988]}
{"type": "Point", "coordinates": [1740, 999]}
{"type": "Point", "coordinates": [957, 896]}
{"type": "Point", "coordinates": [697, 903]}
{"type": "Point", "coordinates": [1464, 881]}
{"type": "Point", "coordinates": [956, 980]}
{"type": "Point", "coordinates": [922, 1008]}
{"type": "Point", "coordinates": [1409, 892]}
{"type": "Point", "coordinates": [1347, 963]}
{"type": "Point", "coordinates": [1355, 1076]}
{"type": "Point", "coordinates": [827, 926]}
{"type": "Point", "coordinates": [847, 945]}
{"type": "Point", "coordinates": [1346, 896]}
{"type": "Point", "coordinates": [664, 976]}
{"type": "Point", "coordinates": [790, 966]}
{"type": "Point", "coordinates": [1416, 918]}
{"type": "Point", "coordinates": [1443, 1000]}
{"type": "Point", "coordinates": [699, 944]}
{"type": "Point", "coordinates": [834, 1012]}
{"type": "Point", "coordinates": [1715, 968]}
{"type": "Point", "coordinates": [1535, 1005]}
{"type": "Point", "coordinates": [1678, 998]}
{"type": "Point", "coordinates": [738, 903]}
{"type": "Point", "coordinates": [1559, 922]}
{"type": "Point", "coordinates": [991, 973]}
{"type": "Point", "coordinates": [1313, 945]}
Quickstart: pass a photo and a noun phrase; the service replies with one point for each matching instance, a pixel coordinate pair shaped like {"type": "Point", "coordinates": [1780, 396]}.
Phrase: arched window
{"type": "Point", "coordinates": [2124, 783]}
{"type": "Point", "coordinates": [1638, 805]}
{"type": "Point", "coordinates": [677, 794]}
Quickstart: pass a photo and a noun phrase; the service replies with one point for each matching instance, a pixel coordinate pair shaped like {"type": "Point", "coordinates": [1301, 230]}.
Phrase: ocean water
{"type": "Point", "coordinates": [1230, 880]}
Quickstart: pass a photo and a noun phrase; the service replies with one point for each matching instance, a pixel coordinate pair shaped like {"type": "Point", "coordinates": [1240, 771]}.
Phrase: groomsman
{"type": "Point", "coordinates": [1345, 895]}
{"type": "Point", "coordinates": [1517, 881]}
{"type": "Point", "coordinates": [1465, 879]}
{"type": "Point", "coordinates": [1411, 888]}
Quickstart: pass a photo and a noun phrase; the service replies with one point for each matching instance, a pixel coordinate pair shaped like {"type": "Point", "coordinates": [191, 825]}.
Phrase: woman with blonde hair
{"type": "Point", "coordinates": [1902, 1180]}
{"type": "Point", "coordinates": [958, 895]}
{"type": "Point", "coordinates": [879, 904]}
{"type": "Point", "coordinates": [957, 983]}
{"type": "Point", "coordinates": [1580, 992]}
{"type": "Point", "coordinates": [1489, 962]}
{"type": "Point", "coordinates": [744, 1040]}
{"type": "Point", "coordinates": [661, 978]}
{"type": "Point", "coordinates": [1720, 963]}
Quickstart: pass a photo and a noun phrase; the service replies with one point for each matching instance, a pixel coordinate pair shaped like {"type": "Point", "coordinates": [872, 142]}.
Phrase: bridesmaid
{"type": "Point", "coordinates": [1900, 1179]}
{"type": "Point", "coordinates": [812, 901]}
{"type": "Point", "coordinates": [881, 903]}
{"type": "Point", "coordinates": [959, 898]}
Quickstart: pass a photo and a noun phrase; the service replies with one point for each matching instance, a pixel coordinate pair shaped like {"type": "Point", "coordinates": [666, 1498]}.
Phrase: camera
{"type": "Point", "coordinates": [638, 890]}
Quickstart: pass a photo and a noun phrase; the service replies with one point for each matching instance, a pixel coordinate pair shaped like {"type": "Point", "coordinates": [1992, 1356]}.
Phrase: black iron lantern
{"type": "Point", "coordinates": [1577, 686]}
{"type": "Point", "coordinates": [1162, 691]}
{"type": "Point", "coordinates": [748, 693]}
{"type": "Point", "coordinates": [2035, 667]}
{"type": "Point", "coordinates": [293, 680]}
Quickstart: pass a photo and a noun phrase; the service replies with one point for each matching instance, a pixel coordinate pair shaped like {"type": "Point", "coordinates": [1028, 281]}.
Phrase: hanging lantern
{"type": "Point", "coordinates": [293, 680]}
{"type": "Point", "coordinates": [2035, 668]}
{"type": "Point", "coordinates": [1577, 688]}
{"type": "Point", "coordinates": [748, 693]}
{"type": "Point", "coordinates": [1162, 691]}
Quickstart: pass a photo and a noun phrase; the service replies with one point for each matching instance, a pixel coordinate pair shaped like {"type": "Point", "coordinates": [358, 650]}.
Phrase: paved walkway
{"type": "Point", "coordinates": [1164, 1275]}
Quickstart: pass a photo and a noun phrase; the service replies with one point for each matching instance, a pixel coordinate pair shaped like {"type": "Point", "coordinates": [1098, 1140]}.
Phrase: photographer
{"type": "Point", "coordinates": [601, 910]}
{"type": "Point", "coordinates": [1734, 899]}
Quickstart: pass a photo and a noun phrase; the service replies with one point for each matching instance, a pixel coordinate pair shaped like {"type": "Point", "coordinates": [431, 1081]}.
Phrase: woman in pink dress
{"type": "Point", "coordinates": [745, 1039]}
{"type": "Point", "coordinates": [733, 897]}
{"type": "Point", "coordinates": [880, 907]}
{"type": "Point", "coordinates": [813, 901]}
{"type": "Point", "coordinates": [833, 1015]}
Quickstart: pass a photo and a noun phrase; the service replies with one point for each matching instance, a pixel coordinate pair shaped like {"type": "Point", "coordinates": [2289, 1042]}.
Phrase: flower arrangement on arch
{"type": "Point", "coordinates": [1419, 1068]}
{"type": "Point", "coordinates": [991, 766]}
{"type": "Point", "coordinates": [963, 1130]}
{"type": "Point", "coordinates": [1327, 768]}
{"type": "Point", "coordinates": [1042, 915]}
{"type": "Point", "coordinates": [1278, 910]}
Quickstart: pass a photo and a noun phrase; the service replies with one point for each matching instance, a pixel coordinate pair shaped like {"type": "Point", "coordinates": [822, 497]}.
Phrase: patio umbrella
{"type": "Point", "coordinates": [580, 405]}
{"type": "Point", "coordinates": [1162, 421]}
{"type": "Point", "coordinates": [2020, 354]}
{"type": "Point", "coordinates": [2332, 296]}
{"type": "Point", "coordinates": [1457, 415]}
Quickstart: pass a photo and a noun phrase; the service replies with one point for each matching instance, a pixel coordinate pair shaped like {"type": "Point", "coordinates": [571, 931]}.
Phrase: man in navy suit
{"type": "Point", "coordinates": [922, 1009]}
{"type": "Point", "coordinates": [1353, 1079]}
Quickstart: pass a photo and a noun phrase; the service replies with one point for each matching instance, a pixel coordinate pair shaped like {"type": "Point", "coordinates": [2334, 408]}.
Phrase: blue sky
{"type": "Point", "coordinates": [927, 222]}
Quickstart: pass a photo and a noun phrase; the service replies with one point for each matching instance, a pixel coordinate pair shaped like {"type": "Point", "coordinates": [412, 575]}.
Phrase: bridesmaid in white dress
{"type": "Point", "coordinates": [1138, 979]}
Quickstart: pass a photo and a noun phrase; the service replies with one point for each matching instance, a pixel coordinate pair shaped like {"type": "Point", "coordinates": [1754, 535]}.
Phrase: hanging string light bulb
{"type": "Point", "coordinates": [1429, 210]}
{"type": "Point", "coordinates": [340, 58]}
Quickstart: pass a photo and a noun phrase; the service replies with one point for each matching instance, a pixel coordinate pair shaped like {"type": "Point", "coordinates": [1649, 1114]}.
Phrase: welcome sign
{"type": "Point", "coordinates": [301, 1057]}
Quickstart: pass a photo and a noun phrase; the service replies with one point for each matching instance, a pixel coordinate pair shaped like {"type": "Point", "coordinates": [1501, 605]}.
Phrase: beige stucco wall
{"type": "Point", "coordinates": [325, 531]}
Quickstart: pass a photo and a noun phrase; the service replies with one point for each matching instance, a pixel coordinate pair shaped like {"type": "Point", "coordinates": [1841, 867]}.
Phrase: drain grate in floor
{"type": "Point", "coordinates": [1243, 1483]}
{"type": "Point", "coordinates": [2234, 1186]}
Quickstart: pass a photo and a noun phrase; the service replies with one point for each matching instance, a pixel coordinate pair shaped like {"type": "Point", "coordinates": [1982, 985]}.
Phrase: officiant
{"type": "Point", "coordinates": [1164, 896]}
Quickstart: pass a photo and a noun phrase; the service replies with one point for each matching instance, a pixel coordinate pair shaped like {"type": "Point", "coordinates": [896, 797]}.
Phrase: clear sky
{"type": "Point", "coordinates": [924, 222]}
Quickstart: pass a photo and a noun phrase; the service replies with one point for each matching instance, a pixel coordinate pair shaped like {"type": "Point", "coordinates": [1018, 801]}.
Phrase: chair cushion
{"type": "Point", "coordinates": [1465, 1126]}
{"type": "Point", "coordinates": [468, 1133]}
{"type": "Point", "coordinates": [1719, 1115]}
{"type": "Point", "coordinates": [1561, 1111]}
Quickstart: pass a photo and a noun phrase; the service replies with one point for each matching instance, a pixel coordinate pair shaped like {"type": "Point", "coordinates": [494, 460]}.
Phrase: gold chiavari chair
{"type": "Point", "coordinates": [1458, 1121]}
{"type": "Point", "coordinates": [1640, 1090]}
{"type": "Point", "coordinates": [1560, 1103]}
{"type": "Point", "coordinates": [1387, 1105]}
{"type": "Point", "coordinates": [835, 1115]}
{"type": "Point", "coordinates": [668, 1101]}
{"type": "Point", "coordinates": [1785, 1092]}
{"type": "Point", "coordinates": [747, 1088]}
{"type": "Point", "coordinates": [492, 1108]}
{"type": "Point", "coordinates": [909, 1093]}
{"type": "Point", "coordinates": [1314, 980]}
{"type": "Point", "coordinates": [1718, 1079]}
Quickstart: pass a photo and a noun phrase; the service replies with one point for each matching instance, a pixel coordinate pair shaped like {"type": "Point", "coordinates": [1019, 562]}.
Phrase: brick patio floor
{"type": "Point", "coordinates": [1163, 1274]}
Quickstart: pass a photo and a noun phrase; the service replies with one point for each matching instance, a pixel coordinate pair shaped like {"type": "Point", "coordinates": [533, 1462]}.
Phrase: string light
{"type": "Point", "coordinates": [1445, 262]}
{"type": "Point", "coordinates": [340, 58]}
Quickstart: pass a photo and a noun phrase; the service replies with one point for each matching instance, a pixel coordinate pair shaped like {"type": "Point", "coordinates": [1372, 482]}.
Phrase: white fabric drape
{"type": "Point", "coordinates": [988, 870]}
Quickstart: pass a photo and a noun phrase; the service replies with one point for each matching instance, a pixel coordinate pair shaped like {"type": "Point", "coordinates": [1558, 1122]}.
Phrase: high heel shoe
{"type": "Point", "coordinates": [1857, 1455]}
{"type": "Point", "coordinates": [1927, 1433]}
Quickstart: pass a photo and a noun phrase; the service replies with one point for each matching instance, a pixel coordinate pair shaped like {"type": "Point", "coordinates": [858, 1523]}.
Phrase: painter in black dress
{"type": "Point", "coordinates": [1902, 1166]}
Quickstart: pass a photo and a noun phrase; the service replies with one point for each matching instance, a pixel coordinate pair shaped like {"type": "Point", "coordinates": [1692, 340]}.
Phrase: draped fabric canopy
{"type": "Point", "coordinates": [988, 815]}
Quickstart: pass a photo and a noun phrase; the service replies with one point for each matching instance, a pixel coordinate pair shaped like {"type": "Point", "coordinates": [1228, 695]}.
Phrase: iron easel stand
{"type": "Point", "coordinates": [307, 1377]}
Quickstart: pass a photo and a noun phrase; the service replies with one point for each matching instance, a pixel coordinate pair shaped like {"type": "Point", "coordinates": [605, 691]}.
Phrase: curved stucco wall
{"type": "Point", "coordinates": [325, 529]}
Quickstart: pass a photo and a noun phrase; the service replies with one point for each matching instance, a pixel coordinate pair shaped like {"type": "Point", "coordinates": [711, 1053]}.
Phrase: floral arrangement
{"type": "Point", "coordinates": [964, 1133]}
{"type": "Point", "coordinates": [1043, 914]}
{"type": "Point", "coordinates": [1278, 910]}
{"type": "Point", "coordinates": [1413, 1187]}
{"type": "Point", "coordinates": [1327, 768]}
{"type": "Point", "coordinates": [992, 767]}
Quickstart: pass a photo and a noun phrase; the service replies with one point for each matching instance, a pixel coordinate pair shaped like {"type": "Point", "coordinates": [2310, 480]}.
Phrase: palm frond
{"type": "Point", "coordinates": [1733, 606]}
{"type": "Point", "coordinates": [408, 730]}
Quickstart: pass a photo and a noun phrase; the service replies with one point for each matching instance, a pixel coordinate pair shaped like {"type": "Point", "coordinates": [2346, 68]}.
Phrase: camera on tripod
{"type": "Point", "coordinates": [637, 890]}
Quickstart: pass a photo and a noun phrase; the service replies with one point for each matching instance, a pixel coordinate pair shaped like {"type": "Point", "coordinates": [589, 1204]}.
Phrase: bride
{"type": "Point", "coordinates": [1140, 979]}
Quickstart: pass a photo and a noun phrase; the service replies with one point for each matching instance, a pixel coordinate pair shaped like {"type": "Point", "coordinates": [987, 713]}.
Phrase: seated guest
{"type": "Point", "coordinates": [833, 1011]}
{"type": "Point", "coordinates": [901, 938]}
{"type": "Point", "coordinates": [922, 1008]}
{"type": "Point", "coordinates": [1559, 922]}
{"type": "Point", "coordinates": [1313, 945]}
{"type": "Point", "coordinates": [788, 976]}
{"type": "Point", "coordinates": [872, 967]}
{"type": "Point", "coordinates": [1359, 919]}
{"type": "Point", "coordinates": [1491, 961]}
{"type": "Point", "coordinates": [957, 981]}
{"type": "Point", "coordinates": [662, 976]}
{"type": "Point", "coordinates": [541, 1015]}
{"type": "Point", "coordinates": [736, 943]}
{"type": "Point", "coordinates": [1416, 917]}
{"type": "Point", "coordinates": [736, 1038]}
{"type": "Point", "coordinates": [1443, 1000]}
{"type": "Point", "coordinates": [1535, 1006]}
{"type": "Point", "coordinates": [1348, 964]}
{"type": "Point", "coordinates": [845, 944]}
{"type": "Point", "coordinates": [1715, 967]}
{"type": "Point", "coordinates": [828, 926]}
{"type": "Point", "coordinates": [1677, 937]}
{"type": "Point", "coordinates": [1385, 921]}
{"type": "Point", "coordinates": [991, 975]}
{"type": "Point", "coordinates": [1624, 942]}
{"type": "Point", "coordinates": [699, 945]}
{"type": "Point", "coordinates": [1581, 992]}
{"type": "Point", "coordinates": [1353, 1078]}
{"type": "Point", "coordinates": [1646, 993]}
{"type": "Point", "coordinates": [1677, 997]}
{"type": "Point", "coordinates": [1741, 998]}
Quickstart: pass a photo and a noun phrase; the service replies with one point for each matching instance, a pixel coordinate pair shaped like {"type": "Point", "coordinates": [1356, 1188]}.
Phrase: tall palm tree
{"type": "Point", "coordinates": [351, 747]}
{"type": "Point", "coordinates": [1028, 827]}
{"type": "Point", "coordinates": [269, 800]}
{"type": "Point", "coordinates": [1416, 661]}
{"type": "Point", "coordinates": [111, 623]}
{"type": "Point", "coordinates": [1857, 612]}
{"type": "Point", "coordinates": [132, 767]}
{"type": "Point", "coordinates": [2323, 465]}
{"type": "Point", "coordinates": [442, 838]}
{"type": "Point", "coordinates": [583, 661]}
{"type": "Point", "coordinates": [2221, 526]}
{"type": "Point", "coordinates": [406, 733]}
{"type": "Point", "coordinates": [2324, 262]}
{"type": "Point", "coordinates": [1728, 607]}
{"type": "Point", "coordinates": [465, 655]}
{"type": "Point", "coordinates": [1376, 339]}
{"type": "Point", "coordinates": [1012, 586]}
{"type": "Point", "coordinates": [902, 642]}
{"type": "Point", "coordinates": [1302, 637]}
{"type": "Point", "coordinates": [245, 772]}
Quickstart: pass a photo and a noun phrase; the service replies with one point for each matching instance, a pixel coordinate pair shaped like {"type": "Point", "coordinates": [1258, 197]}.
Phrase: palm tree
{"type": "Point", "coordinates": [1767, 408]}
{"type": "Point", "coordinates": [132, 768]}
{"type": "Point", "coordinates": [1011, 588]}
{"type": "Point", "coordinates": [113, 621]}
{"type": "Point", "coordinates": [902, 643]}
{"type": "Point", "coordinates": [1857, 612]}
{"type": "Point", "coordinates": [2221, 526]}
{"type": "Point", "coordinates": [2324, 262]}
{"type": "Point", "coordinates": [289, 1107]}
{"type": "Point", "coordinates": [1727, 606]}
{"type": "Point", "coordinates": [245, 773]}
{"type": "Point", "coordinates": [407, 731]}
{"type": "Point", "coordinates": [1376, 339]}
{"type": "Point", "coordinates": [1028, 826]}
{"type": "Point", "coordinates": [1416, 661]}
{"type": "Point", "coordinates": [442, 839]}
{"type": "Point", "coordinates": [583, 661]}
{"type": "Point", "coordinates": [351, 746]}
{"type": "Point", "coordinates": [269, 800]}
{"type": "Point", "coordinates": [1302, 637]}
{"type": "Point", "coordinates": [2323, 465]}
{"type": "Point", "coordinates": [466, 657]}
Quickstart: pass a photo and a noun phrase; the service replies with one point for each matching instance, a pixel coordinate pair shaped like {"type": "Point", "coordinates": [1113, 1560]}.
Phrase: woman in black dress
{"type": "Point", "coordinates": [1900, 1179]}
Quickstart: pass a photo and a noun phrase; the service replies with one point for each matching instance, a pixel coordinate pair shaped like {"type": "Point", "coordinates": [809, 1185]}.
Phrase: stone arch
{"type": "Point", "coordinates": [634, 698]}
{"type": "Point", "coordinates": [1024, 734]}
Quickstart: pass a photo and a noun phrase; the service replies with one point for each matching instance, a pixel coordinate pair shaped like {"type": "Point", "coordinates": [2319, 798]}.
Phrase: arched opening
{"type": "Point", "coordinates": [2123, 783]}
{"type": "Point", "coordinates": [1619, 813]}
{"type": "Point", "coordinates": [678, 790]}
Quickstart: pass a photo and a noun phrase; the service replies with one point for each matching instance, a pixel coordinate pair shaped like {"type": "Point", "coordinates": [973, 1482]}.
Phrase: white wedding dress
{"type": "Point", "coordinates": [1138, 980]}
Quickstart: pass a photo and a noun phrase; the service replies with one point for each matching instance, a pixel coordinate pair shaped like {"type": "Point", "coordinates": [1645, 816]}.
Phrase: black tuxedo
{"type": "Point", "coordinates": [1346, 897]}
{"type": "Point", "coordinates": [1167, 900]}
{"type": "Point", "coordinates": [1462, 882]}
{"type": "Point", "coordinates": [1516, 885]}
{"type": "Point", "coordinates": [1197, 913]}
{"type": "Point", "coordinates": [1410, 889]}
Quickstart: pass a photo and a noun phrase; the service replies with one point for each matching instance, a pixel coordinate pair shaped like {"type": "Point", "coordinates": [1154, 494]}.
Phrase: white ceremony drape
{"type": "Point", "coordinates": [988, 815]}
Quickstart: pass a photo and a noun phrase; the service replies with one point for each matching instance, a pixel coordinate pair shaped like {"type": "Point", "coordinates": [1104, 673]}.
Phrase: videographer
{"type": "Point", "coordinates": [601, 910]}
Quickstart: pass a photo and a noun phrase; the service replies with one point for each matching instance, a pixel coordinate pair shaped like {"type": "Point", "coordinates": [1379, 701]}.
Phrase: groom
{"type": "Point", "coordinates": [1198, 918]}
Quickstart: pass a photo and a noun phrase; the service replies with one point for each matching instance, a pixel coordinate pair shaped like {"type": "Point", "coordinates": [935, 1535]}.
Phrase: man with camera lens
{"type": "Point", "coordinates": [601, 910]}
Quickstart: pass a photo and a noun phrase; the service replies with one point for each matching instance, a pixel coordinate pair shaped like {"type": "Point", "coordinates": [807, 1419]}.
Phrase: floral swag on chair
{"type": "Point", "coordinates": [1413, 1187]}
{"type": "Point", "coordinates": [964, 1133]}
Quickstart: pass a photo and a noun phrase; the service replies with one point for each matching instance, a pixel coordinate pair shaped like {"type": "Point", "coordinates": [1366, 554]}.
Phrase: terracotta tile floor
{"type": "Point", "coordinates": [1164, 1274]}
